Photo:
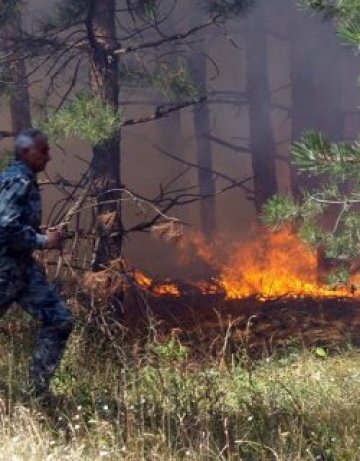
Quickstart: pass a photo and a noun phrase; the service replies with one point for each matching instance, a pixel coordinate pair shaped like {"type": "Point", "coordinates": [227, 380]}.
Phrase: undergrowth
{"type": "Point", "coordinates": [157, 403]}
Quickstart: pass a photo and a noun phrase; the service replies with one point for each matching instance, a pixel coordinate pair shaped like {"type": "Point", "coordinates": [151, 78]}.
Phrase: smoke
{"type": "Point", "coordinates": [312, 81]}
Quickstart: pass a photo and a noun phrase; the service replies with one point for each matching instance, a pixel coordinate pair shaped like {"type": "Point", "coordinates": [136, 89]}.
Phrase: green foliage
{"type": "Point", "coordinates": [310, 208]}
{"type": "Point", "coordinates": [302, 405]}
{"type": "Point", "coordinates": [282, 210]}
{"type": "Point", "coordinates": [337, 163]}
{"type": "Point", "coordinates": [228, 8]}
{"type": "Point", "coordinates": [173, 81]}
{"type": "Point", "coordinates": [85, 117]}
{"type": "Point", "coordinates": [337, 195]}
{"type": "Point", "coordinates": [311, 233]}
{"type": "Point", "coordinates": [344, 245]}
{"type": "Point", "coordinates": [340, 163]}
{"type": "Point", "coordinates": [279, 210]}
{"type": "Point", "coordinates": [341, 243]}
{"type": "Point", "coordinates": [327, 8]}
{"type": "Point", "coordinates": [65, 14]}
{"type": "Point", "coordinates": [315, 154]}
{"type": "Point", "coordinates": [172, 350]}
{"type": "Point", "coordinates": [345, 12]}
{"type": "Point", "coordinates": [145, 8]}
{"type": "Point", "coordinates": [309, 150]}
{"type": "Point", "coordinates": [339, 276]}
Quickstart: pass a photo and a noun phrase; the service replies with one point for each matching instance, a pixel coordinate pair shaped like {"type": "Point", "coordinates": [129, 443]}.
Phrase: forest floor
{"type": "Point", "coordinates": [204, 322]}
{"type": "Point", "coordinates": [275, 380]}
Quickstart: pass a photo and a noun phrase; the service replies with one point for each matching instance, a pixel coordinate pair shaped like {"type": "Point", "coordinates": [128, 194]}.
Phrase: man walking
{"type": "Point", "coordinates": [21, 278]}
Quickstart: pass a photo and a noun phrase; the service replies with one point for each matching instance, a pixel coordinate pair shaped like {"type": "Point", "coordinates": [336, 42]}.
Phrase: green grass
{"type": "Point", "coordinates": [154, 403]}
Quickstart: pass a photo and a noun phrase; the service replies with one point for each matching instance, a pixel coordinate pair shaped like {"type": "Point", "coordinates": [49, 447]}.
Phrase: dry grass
{"type": "Point", "coordinates": [158, 404]}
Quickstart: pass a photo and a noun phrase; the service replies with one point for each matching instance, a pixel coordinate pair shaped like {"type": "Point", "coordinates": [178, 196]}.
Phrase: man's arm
{"type": "Point", "coordinates": [13, 232]}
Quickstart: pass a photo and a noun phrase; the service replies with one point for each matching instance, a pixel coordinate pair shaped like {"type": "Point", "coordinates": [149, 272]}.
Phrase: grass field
{"type": "Point", "coordinates": [154, 403]}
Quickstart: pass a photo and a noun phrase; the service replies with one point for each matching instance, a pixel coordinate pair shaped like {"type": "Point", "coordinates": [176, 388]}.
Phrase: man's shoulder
{"type": "Point", "coordinates": [14, 181]}
{"type": "Point", "coordinates": [15, 173]}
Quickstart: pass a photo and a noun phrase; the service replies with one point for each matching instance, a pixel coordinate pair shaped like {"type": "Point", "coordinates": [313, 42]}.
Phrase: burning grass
{"type": "Point", "coordinates": [271, 265]}
{"type": "Point", "coordinates": [265, 293]}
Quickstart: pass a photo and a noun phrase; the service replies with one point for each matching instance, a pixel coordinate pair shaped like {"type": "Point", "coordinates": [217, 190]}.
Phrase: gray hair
{"type": "Point", "coordinates": [26, 139]}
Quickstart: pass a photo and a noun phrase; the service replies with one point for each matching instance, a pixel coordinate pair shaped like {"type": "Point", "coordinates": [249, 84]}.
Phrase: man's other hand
{"type": "Point", "coordinates": [54, 239]}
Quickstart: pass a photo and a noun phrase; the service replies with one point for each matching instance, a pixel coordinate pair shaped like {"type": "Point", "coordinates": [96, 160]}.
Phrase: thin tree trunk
{"type": "Point", "coordinates": [171, 137]}
{"type": "Point", "coordinates": [171, 133]}
{"type": "Point", "coordinates": [105, 165]}
{"type": "Point", "coordinates": [19, 100]}
{"type": "Point", "coordinates": [204, 151]}
{"type": "Point", "coordinates": [262, 141]}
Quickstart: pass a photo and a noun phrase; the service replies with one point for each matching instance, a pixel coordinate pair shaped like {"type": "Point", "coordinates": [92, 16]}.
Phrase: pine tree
{"type": "Point", "coordinates": [317, 85]}
{"type": "Point", "coordinates": [336, 168]}
{"type": "Point", "coordinates": [88, 56]}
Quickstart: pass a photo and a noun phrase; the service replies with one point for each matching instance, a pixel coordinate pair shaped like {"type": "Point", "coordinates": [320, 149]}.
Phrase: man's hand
{"type": "Point", "coordinates": [54, 238]}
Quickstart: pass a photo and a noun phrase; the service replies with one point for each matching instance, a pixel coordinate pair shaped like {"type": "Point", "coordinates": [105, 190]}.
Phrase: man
{"type": "Point", "coordinates": [21, 278]}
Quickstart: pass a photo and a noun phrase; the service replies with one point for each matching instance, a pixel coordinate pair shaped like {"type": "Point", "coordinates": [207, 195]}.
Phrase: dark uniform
{"type": "Point", "coordinates": [22, 279]}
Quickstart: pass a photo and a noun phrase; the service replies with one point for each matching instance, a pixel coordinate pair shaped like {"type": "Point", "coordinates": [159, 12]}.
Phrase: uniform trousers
{"type": "Point", "coordinates": [24, 282]}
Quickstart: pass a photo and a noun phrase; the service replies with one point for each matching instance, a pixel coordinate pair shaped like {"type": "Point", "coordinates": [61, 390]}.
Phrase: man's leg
{"type": "Point", "coordinates": [41, 300]}
{"type": "Point", "coordinates": [11, 284]}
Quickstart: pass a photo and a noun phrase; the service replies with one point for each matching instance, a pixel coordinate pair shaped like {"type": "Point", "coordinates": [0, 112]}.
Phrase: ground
{"type": "Point", "coordinates": [283, 383]}
{"type": "Point", "coordinates": [202, 321]}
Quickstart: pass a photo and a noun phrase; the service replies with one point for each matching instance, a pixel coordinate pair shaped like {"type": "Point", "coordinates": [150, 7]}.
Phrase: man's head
{"type": "Point", "coordinates": [32, 148]}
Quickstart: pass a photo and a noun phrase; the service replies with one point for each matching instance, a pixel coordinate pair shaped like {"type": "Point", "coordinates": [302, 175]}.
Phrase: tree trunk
{"type": "Point", "coordinates": [172, 139]}
{"type": "Point", "coordinates": [203, 151]}
{"type": "Point", "coordinates": [19, 100]}
{"type": "Point", "coordinates": [262, 141]}
{"type": "Point", "coordinates": [105, 165]}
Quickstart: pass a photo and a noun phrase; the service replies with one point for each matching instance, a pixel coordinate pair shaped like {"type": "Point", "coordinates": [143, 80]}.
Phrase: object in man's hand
{"type": "Point", "coordinates": [54, 237]}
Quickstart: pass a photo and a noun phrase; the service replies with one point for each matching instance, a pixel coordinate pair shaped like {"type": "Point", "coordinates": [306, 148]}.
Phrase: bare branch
{"type": "Point", "coordinates": [217, 174]}
{"type": "Point", "coordinates": [162, 111]}
{"type": "Point", "coordinates": [167, 39]}
{"type": "Point", "coordinates": [228, 144]}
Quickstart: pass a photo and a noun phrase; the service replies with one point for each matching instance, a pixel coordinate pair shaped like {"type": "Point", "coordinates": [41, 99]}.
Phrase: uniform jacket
{"type": "Point", "coordinates": [20, 213]}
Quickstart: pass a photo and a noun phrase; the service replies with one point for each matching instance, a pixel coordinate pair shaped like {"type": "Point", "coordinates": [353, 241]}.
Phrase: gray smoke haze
{"type": "Point", "coordinates": [312, 80]}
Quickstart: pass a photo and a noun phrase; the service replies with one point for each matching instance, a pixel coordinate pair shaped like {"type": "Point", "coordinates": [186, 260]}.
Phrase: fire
{"type": "Point", "coordinates": [276, 264]}
{"type": "Point", "coordinates": [269, 266]}
{"type": "Point", "coordinates": [165, 288]}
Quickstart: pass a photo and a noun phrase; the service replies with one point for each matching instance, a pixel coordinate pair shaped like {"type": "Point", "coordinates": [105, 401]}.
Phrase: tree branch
{"type": "Point", "coordinates": [162, 111]}
{"type": "Point", "coordinates": [167, 39]}
{"type": "Point", "coordinates": [217, 174]}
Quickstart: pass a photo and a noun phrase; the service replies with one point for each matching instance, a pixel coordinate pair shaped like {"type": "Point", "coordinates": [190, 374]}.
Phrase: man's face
{"type": "Point", "coordinates": [37, 156]}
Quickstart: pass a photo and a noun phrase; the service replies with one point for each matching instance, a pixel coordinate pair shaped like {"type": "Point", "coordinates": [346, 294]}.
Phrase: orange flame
{"type": "Point", "coordinates": [276, 264]}
{"type": "Point", "coordinates": [165, 288]}
{"type": "Point", "coordinates": [269, 266]}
